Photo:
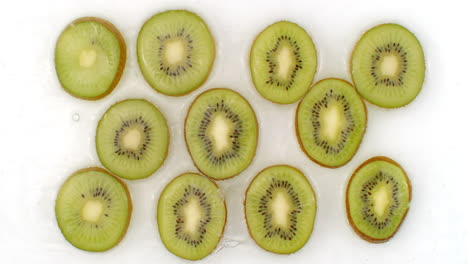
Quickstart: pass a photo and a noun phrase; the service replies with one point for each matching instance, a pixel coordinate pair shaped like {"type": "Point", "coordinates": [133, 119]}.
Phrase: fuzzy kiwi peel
{"type": "Point", "coordinates": [122, 60]}
{"type": "Point", "coordinates": [354, 226]}
{"type": "Point", "coordinates": [127, 221]}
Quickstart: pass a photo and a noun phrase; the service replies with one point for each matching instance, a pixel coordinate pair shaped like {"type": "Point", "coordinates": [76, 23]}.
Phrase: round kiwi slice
{"type": "Point", "coordinates": [283, 62]}
{"type": "Point", "coordinates": [280, 209]}
{"type": "Point", "coordinates": [221, 133]}
{"type": "Point", "coordinates": [175, 51]}
{"type": "Point", "coordinates": [191, 216]}
{"type": "Point", "coordinates": [90, 56]}
{"type": "Point", "coordinates": [388, 66]}
{"type": "Point", "coordinates": [377, 199]}
{"type": "Point", "coordinates": [93, 209]}
{"type": "Point", "coordinates": [132, 139]}
{"type": "Point", "coordinates": [330, 122]}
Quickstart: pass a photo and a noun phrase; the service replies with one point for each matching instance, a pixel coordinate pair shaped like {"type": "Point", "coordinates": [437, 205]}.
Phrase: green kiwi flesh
{"type": "Point", "coordinates": [283, 61]}
{"type": "Point", "coordinates": [221, 133]}
{"type": "Point", "coordinates": [191, 216]}
{"type": "Point", "coordinates": [388, 66]}
{"type": "Point", "coordinates": [132, 139]}
{"type": "Point", "coordinates": [90, 56]}
{"type": "Point", "coordinates": [330, 122]}
{"type": "Point", "coordinates": [377, 199]}
{"type": "Point", "coordinates": [175, 52]}
{"type": "Point", "coordinates": [93, 209]}
{"type": "Point", "coordinates": [280, 209]}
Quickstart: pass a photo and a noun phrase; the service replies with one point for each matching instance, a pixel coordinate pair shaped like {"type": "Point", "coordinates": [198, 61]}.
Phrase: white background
{"type": "Point", "coordinates": [41, 145]}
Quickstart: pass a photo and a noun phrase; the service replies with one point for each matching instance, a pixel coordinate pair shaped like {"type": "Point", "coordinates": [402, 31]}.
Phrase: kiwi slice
{"type": "Point", "coordinates": [388, 66]}
{"type": "Point", "coordinates": [221, 133]}
{"type": "Point", "coordinates": [283, 62]}
{"type": "Point", "coordinates": [377, 199]}
{"type": "Point", "coordinates": [132, 139]}
{"type": "Point", "coordinates": [191, 216]}
{"type": "Point", "coordinates": [175, 51]}
{"type": "Point", "coordinates": [330, 122]}
{"type": "Point", "coordinates": [280, 209]}
{"type": "Point", "coordinates": [90, 56]}
{"type": "Point", "coordinates": [93, 209]}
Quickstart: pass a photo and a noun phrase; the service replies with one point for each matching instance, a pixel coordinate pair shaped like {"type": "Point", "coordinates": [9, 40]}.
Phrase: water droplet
{"type": "Point", "coordinates": [76, 117]}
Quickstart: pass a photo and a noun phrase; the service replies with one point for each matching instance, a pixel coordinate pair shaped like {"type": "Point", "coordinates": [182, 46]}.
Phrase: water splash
{"type": "Point", "coordinates": [227, 243]}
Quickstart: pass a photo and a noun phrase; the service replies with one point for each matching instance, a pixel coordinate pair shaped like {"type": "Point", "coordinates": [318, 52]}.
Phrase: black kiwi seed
{"type": "Point", "coordinates": [404, 80]}
{"type": "Point", "coordinates": [101, 73]}
{"type": "Point", "coordinates": [207, 119]}
{"type": "Point", "coordinates": [206, 207]}
{"type": "Point", "coordinates": [280, 229]}
{"type": "Point", "coordinates": [183, 233]}
{"type": "Point", "coordinates": [145, 126]}
{"type": "Point", "coordinates": [289, 233]}
{"type": "Point", "coordinates": [221, 158]}
{"type": "Point", "coordinates": [366, 191]}
{"type": "Point", "coordinates": [283, 77]}
{"type": "Point", "coordinates": [380, 52]}
{"type": "Point", "coordinates": [315, 118]}
{"type": "Point", "coordinates": [175, 70]}
{"type": "Point", "coordinates": [330, 122]}
{"type": "Point", "coordinates": [137, 155]}
{"type": "Point", "coordinates": [106, 228]}
{"type": "Point", "coordinates": [270, 59]}
{"type": "Point", "coordinates": [378, 197]}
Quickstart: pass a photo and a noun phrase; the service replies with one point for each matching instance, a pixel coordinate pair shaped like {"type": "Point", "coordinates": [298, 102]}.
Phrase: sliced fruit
{"type": "Point", "coordinates": [283, 62]}
{"type": "Point", "coordinates": [330, 122]}
{"type": "Point", "coordinates": [388, 66]}
{"type": "Point", "coordinates": [132, 139]}
{"type": "Point", "coordinates": [175, 52]}
{"type": "Point", "coordinates": [280, 209]}
{"type": "Point", "coordinates": [93, 209]}
{"type": "Point", "coordinates": [377, 199]}
{"type": "Point", "coordinates": [191, 216]}
{"type": "Point", "coordinates": [221, 133]}
{"type": "Point", "coordinates": [90, 56]}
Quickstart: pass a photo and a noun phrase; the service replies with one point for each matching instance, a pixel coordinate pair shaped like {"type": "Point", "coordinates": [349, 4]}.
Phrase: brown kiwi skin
{"type": "Point", "coordinates": [299, 138]}
{"type": "Point", "coordinates": [185, 135]}
{"type": "Point", "coordinates": [245, 200]}
{"type": "Point", "coordinates": [224, 201]}
{"type": "Point", "coordinates": [351, 67]}
{"type": "Point", "coordinates": [211, 63]}
{"type": "Point", "coordinates": [168, 136]}
{"type": "Point", "coordinates": [348, 213]}
{"type": "Point", "coordinates": [250, 56]}
{"type": "Point", "coordinates": [123, 54]}
{"type": "Point", "coordinates": [129, 199]}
